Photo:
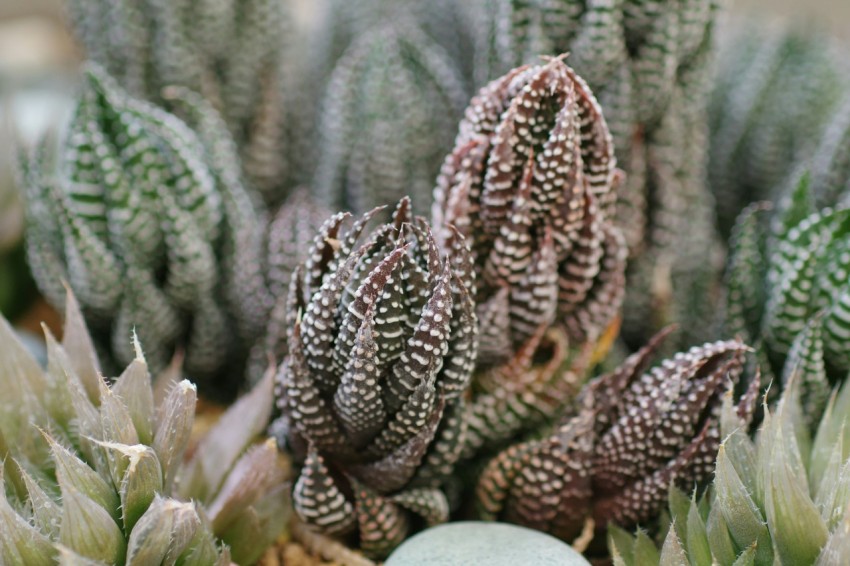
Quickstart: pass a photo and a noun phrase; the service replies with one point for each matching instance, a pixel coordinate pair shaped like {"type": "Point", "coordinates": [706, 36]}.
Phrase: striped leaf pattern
{"type": "Point", "coordinates": [381, 348]}
{"type": "Point", "coordinates": [135, 216]}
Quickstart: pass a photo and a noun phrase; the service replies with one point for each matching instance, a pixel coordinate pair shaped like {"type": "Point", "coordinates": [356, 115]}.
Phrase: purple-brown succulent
{"type": "Point", "coordinates": [635, 433]}
{"type": "Point", "coordinates": [531, 184]}
{"type": "Point", "coordinates": [382, 345]}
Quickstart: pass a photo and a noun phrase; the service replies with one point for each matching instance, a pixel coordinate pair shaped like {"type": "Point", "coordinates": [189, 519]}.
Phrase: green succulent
{"type": "Point", "coordinates": [783, 498]}
{"type": "Point", "coordinates": [648, 62]}
{"type": "Point", "coordinates": [776, 104]}
{"type": "Point", "coordinates": [152, 228]}
{"type": "Point", "coordinates": [387, 119]}
{"type": "Point", "coordinates": [232, 52]}
{"type": "Point", "coordinates": [94, 471]}
{"type": "Point", "coordinates": [786, 283]}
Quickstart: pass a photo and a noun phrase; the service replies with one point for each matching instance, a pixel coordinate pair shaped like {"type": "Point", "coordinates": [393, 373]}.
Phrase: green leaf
{"type": "Point", "coordinates": [133, 387]}
{"type": "Point", "coordinates": [672, 553]}
{"type": "Point", "coordinates": [74, 474]}
{"type": "Point", "coordinates": [699, 551]}
{"type": "Point", "coordinates": [88, 529]}
{"type": "Point", "coordinates": [719, 538]}
{"type": "Point", "coordinates": [795, 524]}
{"type": "Point", "coordinates": [173, 429]}
{"type": "Point", "coordinates": [645, 551]}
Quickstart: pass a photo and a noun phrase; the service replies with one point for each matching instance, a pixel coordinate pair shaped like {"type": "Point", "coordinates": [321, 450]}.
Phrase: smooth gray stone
{"type": "Point", "coordinates": [476, 542]}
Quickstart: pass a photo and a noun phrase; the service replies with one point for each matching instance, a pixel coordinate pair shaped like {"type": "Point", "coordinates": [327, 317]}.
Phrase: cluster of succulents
{"type": "Point", "coordinates": [783, 497]}
{"type": "Point", "coordinates": [649, 65]}
{"type": "Point", "coordinates": [436, 360]}
{"type": "Point", "coordinates": [232, 52]}
{"type": "Point", "coordinates": [94, 473]}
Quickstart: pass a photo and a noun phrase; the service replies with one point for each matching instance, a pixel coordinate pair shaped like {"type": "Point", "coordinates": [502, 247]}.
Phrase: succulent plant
{"type": "Point", "coordinates": [94, 473]}
{"type": "Point", "coordinates": [648, 63]}
{"type": "Point", "coordinates": [782, 498]}
{"type": "Point", "coordinates": [531, 185]}
{"type": "Point", "coordinates": [787, 280]}
{"type": "Point", "coordinates": [776, 94]}
{"type": "Point", "coordinates": [382, 344]}
{"type": "Point", "coordinates": [232, 52]}
{"type": "Point", "coordinates": [633, 434]}
{"type": "Point", "coordinates": [386, 119]}
{"type": "Point", "coordinates": [150, 231]}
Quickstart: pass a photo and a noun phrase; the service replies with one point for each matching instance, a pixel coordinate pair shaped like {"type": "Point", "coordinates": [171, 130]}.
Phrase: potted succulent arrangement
{"type": "Point", "coordinates": [436, 261]}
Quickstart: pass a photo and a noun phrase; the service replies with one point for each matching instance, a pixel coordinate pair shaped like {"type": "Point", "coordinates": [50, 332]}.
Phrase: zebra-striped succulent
{"type": "Point", "coordinates": [233, 52]}
{"type": "Point", "coordinates": [94, 473]}
{"type": "Point", "coordinates": [787, 283]}
{"type": "Point", "coordinates": [388, 114]}
{"type": "Point", "coordinates": [634, 434]}
{"type": "Point", "coordinates": [150, 230]}
{"type": "Point", "coordinates": [783, 498]}
{"type": "Point", "coordinates": [382, 344]}
{"type": "Point", "coordinates": [648, 63]}
{"type": "Point", "coordinates": [531, 185]}
{"type": "Point", "coordinates": [776, 95]}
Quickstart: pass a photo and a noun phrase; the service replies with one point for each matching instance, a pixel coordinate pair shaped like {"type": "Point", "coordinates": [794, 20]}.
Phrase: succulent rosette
{"type": "Point", "coordinates": [635, 432]}
{"type": "Point", "coordinates": [382, 344]}
{"type": "Point", "coordinates": [531, 185]}
{"type": "Point", "coordinates": [151, 226]}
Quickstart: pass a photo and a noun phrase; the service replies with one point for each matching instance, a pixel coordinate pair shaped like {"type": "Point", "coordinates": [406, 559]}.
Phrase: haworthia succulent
{"type": "Point", "coordinates": [147, 227]}
{"type": "Point", "coordinates": [381, 346]}
{"type": "Point", "coordinates": [778, 499]}
{"type": "Point", "coordinates": [90, 477]}
{"type": "Point", "coordinates": [233, 52]}
{"type": "Point", "coordinates": [635, 433]}
{"type": "Point", "coordinates": [775, 107]}
{"type": "Point", "coordinates": [648, 63]}
{"type": "Point", "coordinates": [386, 119]}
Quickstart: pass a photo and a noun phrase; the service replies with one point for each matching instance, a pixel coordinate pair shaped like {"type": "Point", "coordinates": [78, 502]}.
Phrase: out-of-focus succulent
{"type": "Point", "coordinates": [531, 185]}
{"type": "Point", "coordinates": [151, 231]}
{"type": "Point", "coordinates": [776, 95]}
{"type": "Point", "coordinates": [232, 52]}
{"type": "Point", "coordinates": [634, 434]}
{"type": "Point", "coordinates": [648, 63]}
{"type": "Point", "coordinates": [95, 473]}
{"type": "Point", "coordinates": [387, 119]}
{"type": "Point", "coordinates": [781, 499]}
{"type": "Point", "coordinates": [787, 283]}
{"type": "Point", "coordinates": [382, 344]}
{"type": "Point", "coordinates": [288, 238]}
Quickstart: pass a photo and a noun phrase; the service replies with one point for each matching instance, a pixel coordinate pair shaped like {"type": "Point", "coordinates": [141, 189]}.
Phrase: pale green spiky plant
{"type": "Point", "coordinates": [649, 64]}
{"type": "Point", "coordinates": [152, 227]}
{"type": "Point", "coordinates": [232, 51]}
{"type": "Point", "coordinates": [94, 472]}
{"type": "Point", "coordinates": [783, 498]}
